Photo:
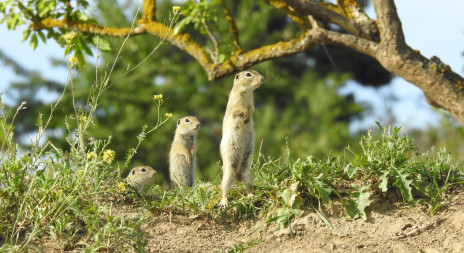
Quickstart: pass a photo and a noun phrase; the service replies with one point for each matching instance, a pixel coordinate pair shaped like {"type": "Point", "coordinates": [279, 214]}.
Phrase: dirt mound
{"type": "Point", "coordinates": [390, 227]}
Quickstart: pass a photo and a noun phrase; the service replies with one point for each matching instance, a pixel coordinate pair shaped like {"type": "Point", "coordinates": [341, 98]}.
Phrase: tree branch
{"type": "Point", "coordinates": [382, 39]}
{"type": "Point", "coordinates": [357, 25]}
{"type": "Point", "coordinates": [323, 36]}
{"type": "Point", "coordinates": [149, 11]}
{"type": "Point", "coordinates": [232, 29]}
{"type": "Point", "coordinates": [185, 42]}
{"type": "Point", "coordinates": [388, 22]}
{"type": "Point", "coordinates": [294, 16]}
{"type": "Point", "coordinates": [255, 56]}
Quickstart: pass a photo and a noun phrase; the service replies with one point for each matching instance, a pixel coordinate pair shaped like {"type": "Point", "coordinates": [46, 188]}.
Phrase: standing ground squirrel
{"type": "Point", "coordinates": [237, 132]}
{"type": "Point", "coordinates": [141, 176]}
{"type": "Point", "coordinates": [182, 154]}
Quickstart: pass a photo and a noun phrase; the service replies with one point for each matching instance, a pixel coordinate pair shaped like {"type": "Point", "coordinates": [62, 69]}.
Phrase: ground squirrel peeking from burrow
{"type": "Point", "coordinates": [182, 154]}
{"type": "Point", "coordinates": [141, 176]}
{"type": "Point", "coordinates": [237, 141]}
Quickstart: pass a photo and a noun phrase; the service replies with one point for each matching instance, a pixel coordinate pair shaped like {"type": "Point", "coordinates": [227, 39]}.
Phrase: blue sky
{"type": "Point", "coordinates": [430, 26]}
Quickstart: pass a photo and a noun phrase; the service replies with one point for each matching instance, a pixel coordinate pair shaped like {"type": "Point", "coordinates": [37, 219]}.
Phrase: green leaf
{"type": "Point", "coordinates": [101, 43]}
{"type": "Point", "coordinates": [285, 195]}
{"type": "Point", "coordinates": [83, 44]}
{"type": "Point", "coordinates": [404, 184]}
{"type": "Point", "coordinates": [26, 34]}
{"type": "Point", "coordinates": [80, 56]}
{"type": "Point", "coordinates": [68, 49]}
{"type": "Point", "coordinates": [350, 209]}
{"type": "Point", "coordinates": [42, 36]}
{"type": "Point", "coordinates": [222, 57]}
{"type": "Point", "coordinates": [324, 191]}
{"type": "Point", "coordinates": [384, 181]}
{"type": "Point", "coordinates": [81, 16]}
{"type": "Point", "coordinates": [323, 218]}
{"type": "Point", "coordinates": [34, 42]}
{"type": "Point", "coordinates": [362, 199]}
{"type": "Point", "coordinates": [181, 25]}
{"type": "Point", "coordinates": [43, 10]}
{"type": "Point", "coordinates": [351, 170]}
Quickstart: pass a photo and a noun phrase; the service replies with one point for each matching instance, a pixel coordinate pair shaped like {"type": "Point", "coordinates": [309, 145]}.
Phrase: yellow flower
{"type": "Point", "coordinates": [108, 155]}
{"type": "Point", "coordinates": [68, 37]}
{"type": "Point", "coordinates": [92, 155]}
{"type": "Point", "coordinates": [122, 186]}
{"type": "Point", "coordinates": [79, 172]}
{"type": "Point", "coordinates": [168, 115]}
{"type": "Point", "coordinates": [158, 97]}
{"type": "Point", "coordinates": [175, 9]}
{"type": "Point", "coordinates": [73, 61]}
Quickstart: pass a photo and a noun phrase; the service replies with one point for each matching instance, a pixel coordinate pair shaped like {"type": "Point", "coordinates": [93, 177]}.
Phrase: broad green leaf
{"type": "Point", "coordinates": [33, 42]}
{"type": "Point", "coordinates": [351, 170]}
{"type": "Point", "coordinates": [101, 43]}
{"type": "Point", "coordinates": [384, 181]}
{"type": "Point", "coordinates": [404, 184]}
{"type": "Point", "coordinates": [81, 16]}
{"type": "Point", "coordinates": [42, 36]}
{"type": "Point", "coordinates": [362, 199]}
{"type": "Point", "coordinates": [286, 195]}
{"type": "Point", "coordinates": [43, 10]}
{"type": "Point", "coordinates": [181, 25]}
{"type": "Point", "coordinates": [83, 44]}
{"type": "Point", "coordinates": [222, 57]}
{"type": "Point", "coordinates": [26, 34]}
{"type": "Point", "coordinates": [68, 49]}
{"type": "Point", "coordinates": [324, 191]}
{"type": "Point", "coordinates": [80, 56]}
{"type": "Point", "coordinates": [351, 209]}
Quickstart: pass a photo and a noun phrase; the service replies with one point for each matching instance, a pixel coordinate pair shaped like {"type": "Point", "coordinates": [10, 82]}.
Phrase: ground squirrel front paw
{"type": "Point", "coordinates": [188, 158]}
{"type": "Point", "coordinates": [223, 204]}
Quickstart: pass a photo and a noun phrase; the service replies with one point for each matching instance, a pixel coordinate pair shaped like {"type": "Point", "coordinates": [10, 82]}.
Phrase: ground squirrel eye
{"type": "Point", "coordinates": [187, 120]}
{"type": "Point", "coordinates": [143, 170]}
{"type": "Point", "coordinates": [248, 74]}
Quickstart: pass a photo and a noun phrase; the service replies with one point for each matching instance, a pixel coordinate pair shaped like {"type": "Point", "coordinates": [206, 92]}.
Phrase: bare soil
{"type": "Point", "coordinates": [390, 227]}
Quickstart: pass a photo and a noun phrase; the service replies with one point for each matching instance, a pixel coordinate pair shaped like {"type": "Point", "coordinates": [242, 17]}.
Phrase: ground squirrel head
{"type": "Point", "coordinates": [188, 125]}
{"type": "Point", "coordinates": [140, 176]}
{"type": "Point", "coordinates": [249, 80]}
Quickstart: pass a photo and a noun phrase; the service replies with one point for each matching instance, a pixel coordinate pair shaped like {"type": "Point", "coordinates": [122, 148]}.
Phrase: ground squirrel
{"type": "Point", "coordinates": [237, 132]}
{"type": "Point", "coordinates": [182, 154]}
{"type": "Point", "coordinates": [141, 176]}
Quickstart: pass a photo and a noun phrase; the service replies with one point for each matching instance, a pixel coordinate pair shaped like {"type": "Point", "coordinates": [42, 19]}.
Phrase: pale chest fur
{"type": "Point", "coordinates": [239, 112]}
{"type": "Point", "coordinates": [183, 141]}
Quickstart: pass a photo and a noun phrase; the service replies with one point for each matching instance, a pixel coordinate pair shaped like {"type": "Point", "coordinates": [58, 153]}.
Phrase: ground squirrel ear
{"type": "Point", "coordinates": [133, 172]}
{"type": "Point", "coordinates": [178, 122]}
{"type": "Point", "coordinates": [236, 76]}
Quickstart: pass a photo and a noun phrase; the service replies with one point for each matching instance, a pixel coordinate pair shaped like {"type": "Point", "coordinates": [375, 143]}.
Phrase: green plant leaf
{"type": "Point", "coordinates": [323, 218]}
{"type": "Point", "coordinates": [101, 43]}
{"type": "Point", "coordinates": [324, 191]}
{"type": "Point", "coordinates": [383, 185]}
{"type": "Point", "coordinates": [404, 184]}
{"type": "Point", "coordinates": [33, 42]}
{"type": "Point", "coordinates": [181, 25]}
{"type": "Point", "coordinates": [42, 36]}
{"type": "Point", "coordinates": [26, 34]}
{"type": "Point", "coordinates": [362, 199]}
